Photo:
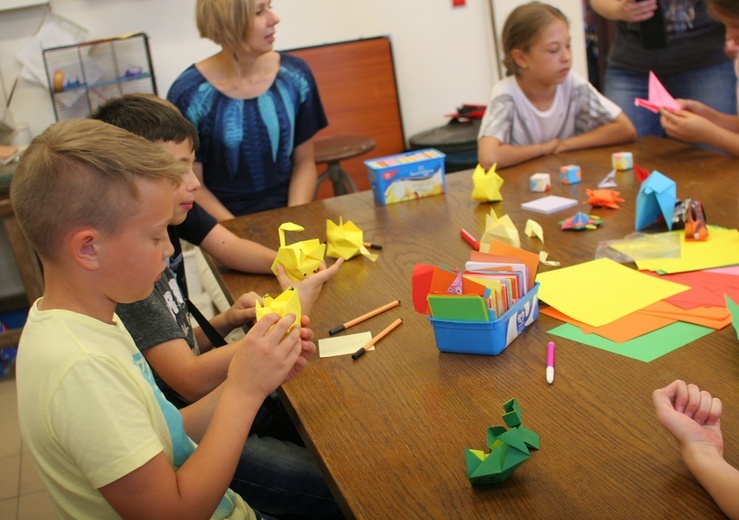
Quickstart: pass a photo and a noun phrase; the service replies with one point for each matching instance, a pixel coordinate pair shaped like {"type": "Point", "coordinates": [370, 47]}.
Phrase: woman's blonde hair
{"type": "Point", "coordinates": [84, 172]}
{"type": "Point", "coordinates": [227, 23]}
{"type": "Point", "coordinates": [522, 28]}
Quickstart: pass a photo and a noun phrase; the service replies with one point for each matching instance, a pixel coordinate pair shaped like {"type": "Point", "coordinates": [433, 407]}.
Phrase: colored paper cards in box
{"type": "Point", "coordinates": [480, 310]}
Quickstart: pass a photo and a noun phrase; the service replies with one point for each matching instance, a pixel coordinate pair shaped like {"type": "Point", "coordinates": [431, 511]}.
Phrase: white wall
{"type": "Point", "coordinates": [443, 55]}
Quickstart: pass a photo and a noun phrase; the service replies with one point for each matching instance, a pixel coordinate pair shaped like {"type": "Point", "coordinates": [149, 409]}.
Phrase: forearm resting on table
{"type": "Point", "coordinates": [238, 253]}
{"type": "Point", "coordinates": [717, 476]}
{"type": "Point", "coordinates": [722, 139]}
{"type": "Point", "coordinates": [620, 130]}
{"type": "Point", "coordinates": [212, 205]}
{"type": "Point", "coordinates": [491, 151]}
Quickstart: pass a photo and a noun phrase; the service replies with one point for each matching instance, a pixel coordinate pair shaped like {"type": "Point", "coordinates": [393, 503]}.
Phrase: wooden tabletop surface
{"type": "Point", "coordinates": [389, 430]}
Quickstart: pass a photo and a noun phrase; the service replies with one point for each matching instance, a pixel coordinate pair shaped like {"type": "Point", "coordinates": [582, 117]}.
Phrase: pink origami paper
{"type": "Point", "coordinates": [658, 97]}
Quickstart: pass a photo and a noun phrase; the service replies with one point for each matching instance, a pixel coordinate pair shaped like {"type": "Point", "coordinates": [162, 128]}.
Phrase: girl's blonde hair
{"type": "Point", "coordinates": [522, 28]}
{"type": "Point", "coordinates": [227, 23]}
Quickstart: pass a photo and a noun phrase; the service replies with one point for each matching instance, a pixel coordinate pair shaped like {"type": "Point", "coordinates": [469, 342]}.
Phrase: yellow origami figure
{"type": "Point", "coordinates": [501, 229]}
{"type": "Point", "coordinates": [286, 303]}
{"type": "Point", "coordinates": [301, 258]}
{"type": "Point", "coordinates": [345, 240]}
{"type": "Point", "coordinates": [486, 184]}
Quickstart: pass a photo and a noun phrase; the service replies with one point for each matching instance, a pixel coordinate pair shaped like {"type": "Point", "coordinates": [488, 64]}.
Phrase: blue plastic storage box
{"type": "Point", "coordinates": [487, 337]}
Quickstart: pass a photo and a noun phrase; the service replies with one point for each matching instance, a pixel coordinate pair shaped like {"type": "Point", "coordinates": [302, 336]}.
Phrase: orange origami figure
{"type": "Point", "coordinates": [604, 198]}
{"type": "Point", "coordinates": [695, 223]}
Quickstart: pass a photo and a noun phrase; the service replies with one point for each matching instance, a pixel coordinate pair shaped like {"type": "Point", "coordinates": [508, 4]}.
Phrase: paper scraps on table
{"type": "Point", "coordinates": [345, 240]}
{"type": "Point", "coordinates": [601, 291]}
{"type": "Point", "coordinates": [645, 348]}
{"type": "Point", "coordinates": [641, 173]}
{"type": "Point", "coordinates": [347, 344]}
{"type": "Point", "coordinates": [603, 198]}
{"type": "Point", "coordinates": [543, 255]}
{"type": "Point", "coordinates": [286, 303]}
{"type": "Point", "coordinates": [608, 181]}
{"type": "Point", "coordinates": [499, 228]}
{"type": "Point", "coordinates": [299, 259]}
{"type": "Point", "coordinates": [508, 449]}
{"type": "Point", "coordinates": [658, 97]}
{"type": "Point", "coordinates": [486, 184]}
{"type": "Point", "coordinates": [533, 228]}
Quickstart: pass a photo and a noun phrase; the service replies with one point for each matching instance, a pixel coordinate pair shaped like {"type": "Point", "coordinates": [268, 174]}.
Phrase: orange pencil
{"type": "Point", "coordinates": [377, 338]}
{"type": "Point", "coordinates": [363, 317]}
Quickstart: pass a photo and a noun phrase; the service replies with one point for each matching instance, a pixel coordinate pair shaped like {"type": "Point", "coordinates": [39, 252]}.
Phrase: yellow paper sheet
{"type": "Point", "coordinates": [601, 291]}
{"type": "Point", "coordinates": [343, 345]}
{"type": "Point", "coordinates": [721, 249]}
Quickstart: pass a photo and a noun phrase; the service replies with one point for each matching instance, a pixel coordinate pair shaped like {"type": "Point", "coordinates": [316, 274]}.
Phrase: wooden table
{"type": "Point", "coordinates": [389, 430]}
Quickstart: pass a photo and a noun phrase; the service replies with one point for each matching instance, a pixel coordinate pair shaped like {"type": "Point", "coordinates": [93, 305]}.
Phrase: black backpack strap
{"type": "Point", "coordinates": [212, 334]}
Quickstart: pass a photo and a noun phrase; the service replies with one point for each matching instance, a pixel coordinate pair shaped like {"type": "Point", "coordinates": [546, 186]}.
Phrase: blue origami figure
{"type": "Point", "coordinates": [570, 174]}
{"type": "Point", "coordinates": [655, 201]}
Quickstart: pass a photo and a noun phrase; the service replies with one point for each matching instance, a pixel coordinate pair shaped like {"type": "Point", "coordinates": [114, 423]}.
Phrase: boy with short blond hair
{"type": "Point", "coordinates": [276, 473]}
{"type": "Point", "coordinates": [95, 201]}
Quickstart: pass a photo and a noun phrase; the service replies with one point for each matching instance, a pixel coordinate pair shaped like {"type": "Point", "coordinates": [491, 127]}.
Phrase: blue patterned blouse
{"type": "Point", "coordinates": [246, 145]}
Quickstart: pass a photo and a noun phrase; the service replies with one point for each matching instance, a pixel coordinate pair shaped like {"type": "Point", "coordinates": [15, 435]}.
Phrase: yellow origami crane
{"type": "Point", "coordinates": [286, 303]}
{"type": "Point", "coordinates": [345, 240]}
{"type": "Point", "coordinates": [501, 229]}
{"type": "Point", "coordinates": [486, 184]}
{"type": "Point", "coordinates": [301, 258]}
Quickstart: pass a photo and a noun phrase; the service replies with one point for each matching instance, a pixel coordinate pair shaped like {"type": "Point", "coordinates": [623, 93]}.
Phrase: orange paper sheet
{"type": "Point", "coordinates": [713, 317]}
{"type": "Point", "coordinates": [623, 329]}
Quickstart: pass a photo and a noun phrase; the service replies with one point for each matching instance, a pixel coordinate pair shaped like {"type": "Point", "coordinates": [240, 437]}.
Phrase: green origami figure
{"type": "Point", "coordinates": [508, 449]}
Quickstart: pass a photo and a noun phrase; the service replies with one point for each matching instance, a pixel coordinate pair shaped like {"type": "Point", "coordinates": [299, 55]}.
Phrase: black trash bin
{"type": "Point", "coordinates": [457, 139]}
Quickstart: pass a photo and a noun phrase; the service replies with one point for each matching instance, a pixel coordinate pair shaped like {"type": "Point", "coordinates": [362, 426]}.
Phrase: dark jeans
{"type": "Point", "coordinates": [276, 474]}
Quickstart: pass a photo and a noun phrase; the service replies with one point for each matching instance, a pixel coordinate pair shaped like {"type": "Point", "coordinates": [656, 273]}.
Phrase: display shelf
{"type": "Point", "coordinates": [83, 76]}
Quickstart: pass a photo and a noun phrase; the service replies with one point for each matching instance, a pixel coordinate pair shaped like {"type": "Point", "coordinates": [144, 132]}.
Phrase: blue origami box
{"type": "Point", "coordinates": [570, 174]}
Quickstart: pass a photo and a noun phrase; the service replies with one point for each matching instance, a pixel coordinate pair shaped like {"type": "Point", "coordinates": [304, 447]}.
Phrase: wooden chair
{"type": "Point", "coordinates": [356, 80]}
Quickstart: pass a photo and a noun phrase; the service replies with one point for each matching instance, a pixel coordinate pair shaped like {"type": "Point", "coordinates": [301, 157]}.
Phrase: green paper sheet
{"type": "Point", "coordinates": [734, 310]}
{"type": "Point", "coordinates": [644, 348]}
{"type": "Point", "coordinates": [601, 291]}
{"type": "Point", "coordinates": [459, 307]}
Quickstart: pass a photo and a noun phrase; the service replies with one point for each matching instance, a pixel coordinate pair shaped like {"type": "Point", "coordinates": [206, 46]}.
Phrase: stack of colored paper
{"type": "Point", "coordinates": [636, 314]}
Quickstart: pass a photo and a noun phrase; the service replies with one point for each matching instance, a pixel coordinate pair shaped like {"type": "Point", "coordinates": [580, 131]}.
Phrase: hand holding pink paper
{"type": "Point", "coordinates": [658, 97]}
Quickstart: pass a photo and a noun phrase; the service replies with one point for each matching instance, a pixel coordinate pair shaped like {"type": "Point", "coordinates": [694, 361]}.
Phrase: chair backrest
{"type": "Point", "coordinates": [356, 80]}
